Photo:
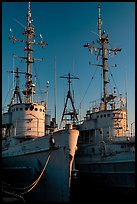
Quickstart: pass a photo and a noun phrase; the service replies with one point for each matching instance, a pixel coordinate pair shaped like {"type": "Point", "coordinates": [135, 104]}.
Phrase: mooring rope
{"type": "Point", "coordinates": [37, 180]}
{"type": "Point", "coordinates": [13, 194]}
{"type": "Point", "coordinates": [30, 187]}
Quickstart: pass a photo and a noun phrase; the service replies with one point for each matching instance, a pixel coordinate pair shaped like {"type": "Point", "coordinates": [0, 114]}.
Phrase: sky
{"type": "Point", "coordinates": [66, 27]}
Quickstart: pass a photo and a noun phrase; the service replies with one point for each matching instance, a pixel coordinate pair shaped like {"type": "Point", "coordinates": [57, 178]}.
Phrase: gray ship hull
{"type": "Point", "coordinates": [114, 170]}
{"type": "Point", "coordinates": [110, 174]}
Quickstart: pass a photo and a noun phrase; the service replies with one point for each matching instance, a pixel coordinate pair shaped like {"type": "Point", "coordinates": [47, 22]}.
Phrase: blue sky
{"type": "Point", "coordinates": [67, 26]}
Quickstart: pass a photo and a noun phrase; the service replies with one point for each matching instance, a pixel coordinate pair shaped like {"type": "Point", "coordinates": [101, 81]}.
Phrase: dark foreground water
{"type": "Point", "coordinates": [84, 189]}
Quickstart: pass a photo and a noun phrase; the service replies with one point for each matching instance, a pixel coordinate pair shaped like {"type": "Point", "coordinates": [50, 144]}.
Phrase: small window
{"type": "Point", "coordinates": [36, 109]}
{"type": "Point", "coordinates": [21, 108]}
{"type": "Point", "coordinates": [16, 109]}
{"type": "Point", "coordinates": [26, 108]}
{"type": "Point", "coordinates": [40, 109]}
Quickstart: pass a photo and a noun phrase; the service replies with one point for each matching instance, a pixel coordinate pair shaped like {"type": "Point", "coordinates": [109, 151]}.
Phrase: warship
{"type": "Point", "coordinates": [106, 148]}
{"type": "Point", "coordinates": [37, 156]}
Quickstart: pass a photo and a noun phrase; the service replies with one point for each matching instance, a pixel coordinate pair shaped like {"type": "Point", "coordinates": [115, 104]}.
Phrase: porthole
{"type": "Point", "coordinates": [31, 107]}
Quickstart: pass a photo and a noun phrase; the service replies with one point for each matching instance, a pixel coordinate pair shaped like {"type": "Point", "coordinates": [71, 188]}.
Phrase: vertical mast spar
{"type": "Point", "coordinates": [103, 41]}
{"type": "Point", "coordinates": [29, 33]}
{"type": "Point", "coordinates": [126, 101]}
{"type": "Point", "coordinates": [55, 91]}
{"type": "Point", "coordinates": [99, 23]}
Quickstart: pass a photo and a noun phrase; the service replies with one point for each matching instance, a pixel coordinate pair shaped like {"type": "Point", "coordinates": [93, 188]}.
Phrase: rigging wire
{"type": "Point", "coordinates": [115, 83]}
{"type": "Point", "coordinates": [5, 100]}
{"type": "Point", "coordinates": [88, 87]}
{"type": "Point", "coordinates": [11, 82]}
{"type": "Point", "coordinates": [41, 94]}
{"type": "Point", "coordinates": [101, 82]}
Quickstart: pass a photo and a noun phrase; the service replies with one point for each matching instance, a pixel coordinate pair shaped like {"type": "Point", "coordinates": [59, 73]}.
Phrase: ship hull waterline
{"type": "Point", "coordinates": [117, 174]}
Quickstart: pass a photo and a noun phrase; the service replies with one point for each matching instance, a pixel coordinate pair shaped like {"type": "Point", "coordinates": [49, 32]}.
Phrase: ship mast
{"type": "Point", "coordinates": [29, 33]}
{"type": "Point", "coordinates": [103, 41]}
{"type": "Point", "coordinates": [69, 96]}
{"type": "Point", "coordinates": [17, 90]}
